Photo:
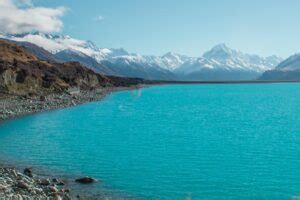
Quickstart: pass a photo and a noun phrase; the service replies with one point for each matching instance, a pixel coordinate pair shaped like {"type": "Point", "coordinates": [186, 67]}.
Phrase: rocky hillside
{"type": "Point", "coordinates": [21, 73]}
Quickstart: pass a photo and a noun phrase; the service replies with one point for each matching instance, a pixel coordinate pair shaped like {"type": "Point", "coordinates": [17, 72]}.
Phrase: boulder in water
{"type": "Point", "coordinates": [28, 172]}
{"type": "Point", "coordinates": [85, 180]}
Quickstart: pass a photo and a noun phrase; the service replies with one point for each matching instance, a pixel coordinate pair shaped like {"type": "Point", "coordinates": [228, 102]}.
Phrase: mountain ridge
{"type": "Point", "coordinates": [219, 63]}
{"type": "Point", "coordinates": [288, 69]}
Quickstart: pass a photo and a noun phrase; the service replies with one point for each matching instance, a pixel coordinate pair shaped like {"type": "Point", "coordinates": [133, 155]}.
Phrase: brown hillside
{"type": "Point", "coordinates": [10, 51]}
{"type": "Point", "coordinates": [22, 73]}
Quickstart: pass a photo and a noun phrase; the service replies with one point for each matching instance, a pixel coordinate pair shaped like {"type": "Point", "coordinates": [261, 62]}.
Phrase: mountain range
{"type": "Point", "coordinates": [219, 63]}
{"type": "Point", "coordinates": [289, 69]}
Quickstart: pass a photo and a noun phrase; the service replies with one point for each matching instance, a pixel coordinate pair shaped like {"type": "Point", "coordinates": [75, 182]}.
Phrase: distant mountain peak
{"type": "Point", "coordinates": [119, 52]}
{"type": "Point", "coordinates": [221, 47]}
{"type": "Point", "coordinates": [220, 51]}
{"type": "Point", "coordinates": [38, 33]}
{"type": "Point", "coordinates": [170, 54]}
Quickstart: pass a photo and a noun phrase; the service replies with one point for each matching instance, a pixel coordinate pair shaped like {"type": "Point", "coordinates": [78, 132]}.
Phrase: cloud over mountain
{"type": "Point", "coordinates": [22, 16]}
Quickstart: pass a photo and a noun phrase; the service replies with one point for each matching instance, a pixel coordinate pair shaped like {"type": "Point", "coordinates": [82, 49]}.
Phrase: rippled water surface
{"type": "Point", "coordinates": [173, 142]}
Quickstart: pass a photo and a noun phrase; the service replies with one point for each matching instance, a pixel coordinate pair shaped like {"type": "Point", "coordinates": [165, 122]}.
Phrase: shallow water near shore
{"type": "Point", "coordinates": [172, 142]}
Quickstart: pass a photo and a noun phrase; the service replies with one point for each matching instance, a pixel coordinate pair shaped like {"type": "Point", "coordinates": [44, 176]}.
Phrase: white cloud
{"type": "Point", "coordinates": [99, 18]}
{"type": "Point", "coordinates": [21, 16]}
{"type": "Point", "coordinates": [24, 2]}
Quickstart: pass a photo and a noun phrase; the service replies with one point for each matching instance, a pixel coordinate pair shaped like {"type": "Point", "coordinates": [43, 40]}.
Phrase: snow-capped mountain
{"type": "Point", "coordinates": [138, 66]}
{"type": "Point", "coordinates": [233, 59]}
{"type": "Point", "coordinates": [120, 62]}
{"type": "Point", "coordinates": [220, 63]}
{"type": "Point", "coordinates": [72, 55]}
{"type": "Point", "coordinates": [274, 60]}
{"type": "Point", "coordinates": [223, 63]}
{"type": "Point", "coordinates": [57, 43]}
{"type": "Point", "coordinates": [170, 61]}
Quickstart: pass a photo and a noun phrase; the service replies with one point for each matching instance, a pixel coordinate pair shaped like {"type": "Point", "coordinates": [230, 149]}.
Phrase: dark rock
{"type": "Point", "coordinates": [55, 180]}
{"type": "Point", "coordinates": [44, 182]}
{"type": "Point", "coordinates": [21, 76]}
{"type": "Point", "coordinates": [43, 98]}
{"type": "Point", "coordinates": [22, 185]}
{"type": "Point", "coordinates": [31, 94]}
{"type": "Point", "coordinates": [85, 180]}
{"type": "Point", "coordinates": [28, 172]}
{"type": "Point", "coordinates": [65, 191]}
{"type": "Point", "coordinates": [60, 183]}
{"type": "Point", "coordinates": [53, 189]}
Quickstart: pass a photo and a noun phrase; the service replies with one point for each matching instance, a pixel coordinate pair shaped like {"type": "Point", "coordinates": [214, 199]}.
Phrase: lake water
{"type": "Point", "coordinates": [172, 142]}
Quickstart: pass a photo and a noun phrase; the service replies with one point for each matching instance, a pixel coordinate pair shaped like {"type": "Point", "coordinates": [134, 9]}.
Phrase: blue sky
{"type": "Point", "coordinates": [189, 27]}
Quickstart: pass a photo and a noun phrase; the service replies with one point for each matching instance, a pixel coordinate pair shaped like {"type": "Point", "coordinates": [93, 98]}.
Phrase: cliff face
{"type": "Point", "coordinates": [22, 73]}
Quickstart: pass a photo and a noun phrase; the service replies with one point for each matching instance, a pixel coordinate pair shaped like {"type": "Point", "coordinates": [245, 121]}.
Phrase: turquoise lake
{"type": "Point", "coordinates": [172, 142]}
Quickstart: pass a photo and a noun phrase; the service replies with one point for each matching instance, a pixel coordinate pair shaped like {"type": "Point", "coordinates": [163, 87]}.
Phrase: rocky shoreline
{"type": "Point", "coordinates": [26, 186]}
{"type": "Point", "coordinates": [12, 106]}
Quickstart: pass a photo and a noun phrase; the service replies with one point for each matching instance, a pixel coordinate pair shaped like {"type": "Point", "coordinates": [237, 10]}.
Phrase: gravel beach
{"type": "Point", "coordinates": [18, 186]}
{"type": "Point", "coordinates": [12, 106]}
